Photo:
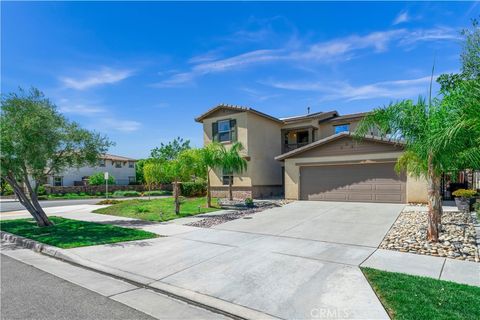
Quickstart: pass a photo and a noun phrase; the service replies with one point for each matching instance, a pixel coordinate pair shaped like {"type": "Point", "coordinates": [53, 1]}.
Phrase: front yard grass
{"type": "Point", "coordinates": [159, 209]}
{"type": "Point", "coordinates": [67, 233]}
{"type": "Point", "coordinates": [412, 297]}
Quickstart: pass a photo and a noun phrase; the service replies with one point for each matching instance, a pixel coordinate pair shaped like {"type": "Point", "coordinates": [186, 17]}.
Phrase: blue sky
{"type": "Point", "coordinates": [141, 72]}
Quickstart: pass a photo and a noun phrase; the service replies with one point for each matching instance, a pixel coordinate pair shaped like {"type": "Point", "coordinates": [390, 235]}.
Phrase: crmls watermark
{"type": "Point", "coordinates": [329, 313]}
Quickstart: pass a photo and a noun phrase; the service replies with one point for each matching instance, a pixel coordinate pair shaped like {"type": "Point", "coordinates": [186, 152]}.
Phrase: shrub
{"type": "Point", "coordinates": [7, 190]}
{"type": "Point", "coordinates": [142, 209]}
{"type": "Point", "coordinates": [98, 179]}
{"type": "Point", "coordinates": [193, 189]}
{"type": "Point", "coordinates": [108, 201]}
{"type": "Point", "coordinates": [42, 197]}
{"type": "Point", "coordinates": [464, 193]}
{"type": "Point", "coordinates": [249, 202]}
{"type": "Point", "coordinates": [476, 207]}
{"type": "Point", "coordinates": [157, 193]}
{"type": "Point", "coordinates": [41, 191]}
{"type": "Point", "coordinates": [128, 193]}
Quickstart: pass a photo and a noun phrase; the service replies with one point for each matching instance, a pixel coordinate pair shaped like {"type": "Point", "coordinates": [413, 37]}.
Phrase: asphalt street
{"type": "Point", "coordinates": [29, 293]}
{"type": "Point", "coordinates": [6, 206]}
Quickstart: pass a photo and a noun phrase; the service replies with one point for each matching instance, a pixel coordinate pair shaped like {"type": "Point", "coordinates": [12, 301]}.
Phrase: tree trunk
{"type": "Point", "coordinates": [31, 204]}
{"type": "Point", "coordinates": [209, 194]}
{"type": "Point", "coordinates": [176, 191]}
{"type": "Point", "coordinates": [230, 191]}
{"type": "Point", "coordinates": [434, 204]}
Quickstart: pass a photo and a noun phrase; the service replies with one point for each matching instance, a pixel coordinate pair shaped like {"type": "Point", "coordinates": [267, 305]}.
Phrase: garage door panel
{"type": "Point", "coordinates": [363, 182]}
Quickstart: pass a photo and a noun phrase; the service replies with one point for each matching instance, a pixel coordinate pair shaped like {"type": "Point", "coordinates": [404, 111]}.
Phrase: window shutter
{"type": "Point", "coordinates": [233, 128]}
{"type": "Point", "coordinates": [215, 131]}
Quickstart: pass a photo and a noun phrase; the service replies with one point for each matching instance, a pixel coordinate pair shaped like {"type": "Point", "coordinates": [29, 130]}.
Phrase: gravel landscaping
{"type": "Point", "coordinates": [457, 238]}
{"type": "Point", "coordinates": [240, 211]}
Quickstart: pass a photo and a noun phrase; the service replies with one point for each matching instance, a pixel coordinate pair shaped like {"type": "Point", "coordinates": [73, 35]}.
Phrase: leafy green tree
{"type": "Point", "coordinates": [98, 179]}
{"type": "Point", "coordinates": [182, 168]}
{"type": "Point", "coordinates": [470, 59]}
{"type": "Point", "coordinates": [36, 141]}
{"type": "Point", "coordinates": [211, 158]}
{"type": "Point", "coordinates": [438, 138]}
{"type": "Point", "coordinates": [170, 150]}
{"type": "Point", "coordinates": [232, 161]}
{"type": "Point", "coordinates": [139, 174]}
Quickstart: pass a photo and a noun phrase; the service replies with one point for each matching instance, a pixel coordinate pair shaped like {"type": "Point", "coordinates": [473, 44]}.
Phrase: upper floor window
{"type": "Point", "coordinates": [342, 128]}
{"type": "Point", "coordinates": [101, 163]}
{"type": "Point", "coordinates": [58, 181]}
{"type": "Point", "coordinates": [224, 130]}
{"type": "Point", "coordinates": [131, 164]}
{"type": "Point", "coordinates": [118, 164]}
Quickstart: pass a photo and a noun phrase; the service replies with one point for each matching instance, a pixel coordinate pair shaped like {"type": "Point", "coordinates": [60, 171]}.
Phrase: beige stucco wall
{"type": "Point", "coordinates": [264, 141]}
{"type": "Point", "coordinates": [417, 190]}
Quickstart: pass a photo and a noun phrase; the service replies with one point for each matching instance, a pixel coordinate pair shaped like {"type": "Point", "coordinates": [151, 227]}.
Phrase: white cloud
{"type": "Point", "coordinates": [402, 17]}
{"type": "Point", "coordinates": [339, 49]}
{"type": "Point", "coordinates": [95, 78]}
{"type": "Point", "coordinates": [107, 124]}
{"type": "Point", "coordinates": [81, 109]}
{"type": "Point", "coordinates": [396, 89]}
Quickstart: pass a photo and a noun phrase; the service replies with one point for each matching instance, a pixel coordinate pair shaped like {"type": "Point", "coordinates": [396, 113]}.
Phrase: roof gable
{"type": "Point", "coordinates": [230, 109]}
{"type": "Point", "coordinates": [343, 143]}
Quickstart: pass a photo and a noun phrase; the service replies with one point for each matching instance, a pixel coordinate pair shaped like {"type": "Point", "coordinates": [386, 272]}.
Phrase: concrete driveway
{"type": "Point", "coordinates": [363, 224]}
{"type": "Point", "coordinates": [299, 261]}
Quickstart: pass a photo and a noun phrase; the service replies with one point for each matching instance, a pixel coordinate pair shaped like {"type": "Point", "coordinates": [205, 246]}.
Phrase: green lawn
{"type": "Point", "coordinates": [411, 297]}
{"type": "Point", "coordinates": [158, 209]}
{"type": "Point", "coordinates": [67, 233]}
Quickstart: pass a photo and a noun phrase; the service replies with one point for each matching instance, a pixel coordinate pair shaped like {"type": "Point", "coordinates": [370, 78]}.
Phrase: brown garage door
{"type": "Point", "coordinates": [355, 182]}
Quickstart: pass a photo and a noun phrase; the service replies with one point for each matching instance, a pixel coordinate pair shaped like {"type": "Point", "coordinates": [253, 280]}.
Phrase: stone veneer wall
{"type": "Point", "coordinates": [256, 192]}
{"type": "Point", "coordinates": [95, 189]}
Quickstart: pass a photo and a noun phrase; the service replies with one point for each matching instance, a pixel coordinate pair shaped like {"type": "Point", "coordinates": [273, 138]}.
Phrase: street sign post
{"type": "Point", "coordinates": [106, 184]}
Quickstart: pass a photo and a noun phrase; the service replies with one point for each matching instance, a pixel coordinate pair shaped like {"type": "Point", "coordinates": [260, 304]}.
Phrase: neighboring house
{"type": "Point", "coordinates": [122, 168]}
{"type": "Point", "coordinates": [308, 157]}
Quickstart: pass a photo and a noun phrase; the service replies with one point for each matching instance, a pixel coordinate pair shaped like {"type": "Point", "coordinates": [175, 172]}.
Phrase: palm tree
{"type": "Point", "coordinates": [437, 136]}
{"type": "Point", "coordinates": [211, 158]}
{"type": "Point", "coordinates": [233, 162]}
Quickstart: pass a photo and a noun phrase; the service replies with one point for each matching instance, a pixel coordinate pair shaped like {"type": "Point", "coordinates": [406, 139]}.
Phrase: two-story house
{"type": "Point", "coordinates": [122, 168]}
{"type": "Point", "coordinates": [308, 157]}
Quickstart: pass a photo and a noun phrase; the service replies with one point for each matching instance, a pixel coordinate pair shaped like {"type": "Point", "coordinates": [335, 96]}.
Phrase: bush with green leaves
{"type": "Point", "coordinates": [157, 193]}
{"type": "Point", "coordinates": [193, 189]}
{"type": "Point", "coordinates": [98, 179]}
{"type": "Point", "coordinates": [249, 202]}
{"type": "Point", "coordinates": [7, 190]}
{"type": "Point", "coordinates": [41, 191]}
{"type": "Point", "coordinates": [464, 193]}
{"type": "Point", "coordinates": [128, 193]}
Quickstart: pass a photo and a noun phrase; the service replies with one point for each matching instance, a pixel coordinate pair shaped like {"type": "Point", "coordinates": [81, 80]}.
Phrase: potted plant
{"type": "Point", "coordinates": [464, 199]}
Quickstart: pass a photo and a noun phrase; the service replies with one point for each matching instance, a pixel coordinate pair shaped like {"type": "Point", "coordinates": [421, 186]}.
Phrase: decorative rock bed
{"type": "Point", "coordinates": [457, 238]}
{"type": "Point", "coordinates": [239, 210]}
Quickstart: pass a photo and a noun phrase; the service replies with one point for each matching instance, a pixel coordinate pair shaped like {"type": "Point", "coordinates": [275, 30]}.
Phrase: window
{"type": "Point", "coordinates": [342, 128]}
{"type": "Point", "coordinates": [302, 137]}
{"type": "Point", "coordinates": [227, 176]}
{"type": "Point", "coordinates": [131, 164]}
{"type": "Point", "coordinates": [118, 164]}
{"type": "Point", "coordinates": [131, 179]}
{"type": "Point", "coordinates": [224, 130]}
{"type": "Point", "coordinates": [101, 163]}
{"type": "Point", "coordinates": [58, 181]}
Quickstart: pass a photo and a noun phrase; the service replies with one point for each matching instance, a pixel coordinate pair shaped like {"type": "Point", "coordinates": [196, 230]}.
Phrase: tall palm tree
{"type": "Point", "coordinates": [438, 138]}
{"type": "Point", "coordinates": [211, 158]}
{"type": "Point", "coordinates": [232, 161]}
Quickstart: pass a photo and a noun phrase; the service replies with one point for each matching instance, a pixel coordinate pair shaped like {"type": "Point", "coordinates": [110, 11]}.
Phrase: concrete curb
{"type": "Point", "coordinates": [191, 297]}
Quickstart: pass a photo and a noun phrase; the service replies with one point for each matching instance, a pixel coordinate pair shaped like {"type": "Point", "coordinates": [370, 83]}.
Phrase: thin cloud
{"type": "Point", "coordinates": [118, 125]}
{"type": "Point", "coordinates": [401, 18]}
{"type": "Point", "coordinates": [81, 109]}
{"type": "Point", "coordinates": [396, 89]}
{"type": "Point", "coordinates": [340, 49]}
{"type": "Point", "coordinates": [96, 78]}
